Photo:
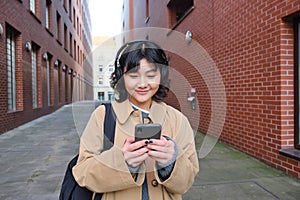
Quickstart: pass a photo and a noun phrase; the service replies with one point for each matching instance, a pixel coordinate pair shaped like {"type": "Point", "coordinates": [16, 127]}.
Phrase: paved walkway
{"type": "Point", "coordinates": [34, 157]}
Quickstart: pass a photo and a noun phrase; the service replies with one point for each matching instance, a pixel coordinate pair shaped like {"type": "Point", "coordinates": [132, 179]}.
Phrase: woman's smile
{"type": "Point", "coordinates": [142, 92]}
{"type": "Point", "coordinates": [142, 84]}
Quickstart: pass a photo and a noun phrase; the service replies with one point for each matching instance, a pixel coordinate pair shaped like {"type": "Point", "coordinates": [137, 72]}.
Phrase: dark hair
{"type": "Point", "coordinates": [129, 56]}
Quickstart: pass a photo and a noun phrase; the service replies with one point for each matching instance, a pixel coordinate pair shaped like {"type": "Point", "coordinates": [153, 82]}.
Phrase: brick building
{"type": "Point", "coordinates": [43, 46]}
{"type": "Point", "coordinates": [254, 46]}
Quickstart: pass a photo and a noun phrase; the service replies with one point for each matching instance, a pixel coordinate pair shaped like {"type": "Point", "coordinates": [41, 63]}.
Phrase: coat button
{"type": "Point", "coordinates": [154, 183]}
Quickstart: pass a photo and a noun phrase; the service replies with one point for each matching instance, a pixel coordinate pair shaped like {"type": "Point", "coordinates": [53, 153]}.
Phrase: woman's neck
{"type": "Point", "coordinates": [139, 108]}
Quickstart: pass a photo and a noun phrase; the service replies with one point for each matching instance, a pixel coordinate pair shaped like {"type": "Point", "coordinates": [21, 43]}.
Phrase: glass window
{"type": "Point", "coordinates": [65, 36]}
{"type": "Point", "coordinates": [48, 14]}
{"type": "Point", "coordinates": [100, 68]}
{"type": "Point", "coordinates": [110, 68]}
{"type": "Point", "coordinates": [179, 9]}
{"type": "Point", "coordinates": [100, 80]}
{"type": "Point", "coordinates": [101, 96]}
{"type": "Point", "coordinates": [11, 68]}
{"type": "Point", "coordinates": [71, 44]}
{"type": "Point", "coordinates": [58, 26]}
{"type": "Point", "coordinates": [48, 82]}
{"type": "Point", "coordinates": [111, 96]}
{"type": "Point", "coordinates": [70, 9]}
{"type": "Point", "coordinates": [34, 75]}
{"type": "Point", "coordinates": [297, 93]}
{"type": "Point", "coordinates": [32, 6]}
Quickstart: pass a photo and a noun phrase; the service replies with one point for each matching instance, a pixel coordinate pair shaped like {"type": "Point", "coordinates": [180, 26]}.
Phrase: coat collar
{"type": "Point", "coordinates": [123, 110]}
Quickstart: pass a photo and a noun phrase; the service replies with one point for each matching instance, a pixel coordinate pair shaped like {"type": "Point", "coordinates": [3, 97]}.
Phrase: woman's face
{"type": "Point", "coordinates": [142, 84]}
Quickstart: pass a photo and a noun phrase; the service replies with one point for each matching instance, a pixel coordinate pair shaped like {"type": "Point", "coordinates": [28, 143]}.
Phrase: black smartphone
{"type": "Point", "coordinates": [147, 131]}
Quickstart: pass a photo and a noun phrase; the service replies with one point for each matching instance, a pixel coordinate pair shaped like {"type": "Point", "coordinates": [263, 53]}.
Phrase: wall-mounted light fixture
{"type": "Point", "coordinates": [192, 98]}
{"type": "Point", "coordinates": [188, 36]}
{"type": "Point", "coordinates": [64, 68]}
{"type": "Point", "coordinates": [70, 71]}
{"type": "Point", "coordinates": [74, 74]}
{"type": "Point", "coordinates": [28, 46]}
{"type": "Point", "coordinates": [1, 30]}
{"type": "Point", "coordinates": [56, 63]}
{"type": "Point", "coordinates": [45, 56]}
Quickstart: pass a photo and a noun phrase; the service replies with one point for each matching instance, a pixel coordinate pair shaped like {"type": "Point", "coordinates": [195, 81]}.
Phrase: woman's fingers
{"type": "Point", "coordinates": [161, 150]}
{"type": "Point", "coordinates": [134, 152]}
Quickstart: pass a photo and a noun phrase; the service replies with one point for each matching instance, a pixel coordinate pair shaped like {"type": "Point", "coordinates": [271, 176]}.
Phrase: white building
{"type": "Point", "coordinates": [104, 52]}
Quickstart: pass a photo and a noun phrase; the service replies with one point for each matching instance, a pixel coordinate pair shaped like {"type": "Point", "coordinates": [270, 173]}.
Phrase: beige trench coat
{"type": "Point", "coordinates": [108, 173]}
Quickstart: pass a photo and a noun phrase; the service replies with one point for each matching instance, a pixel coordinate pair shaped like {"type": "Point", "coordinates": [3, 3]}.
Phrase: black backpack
{"type": "Point", "coordinates": [70, 190]}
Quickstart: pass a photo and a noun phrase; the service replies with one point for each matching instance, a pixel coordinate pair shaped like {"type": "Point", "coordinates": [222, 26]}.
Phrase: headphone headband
{"type": "Point", "coordinates": [123, 48]}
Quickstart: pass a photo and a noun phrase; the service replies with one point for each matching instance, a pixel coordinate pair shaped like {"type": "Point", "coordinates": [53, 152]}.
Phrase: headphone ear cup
{"type": "Point", "coordinates": [118, 72]}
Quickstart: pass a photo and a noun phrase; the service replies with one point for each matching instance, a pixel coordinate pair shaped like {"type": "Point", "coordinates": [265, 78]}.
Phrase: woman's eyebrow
{"type": "Point", "coordinates": [152, 70]}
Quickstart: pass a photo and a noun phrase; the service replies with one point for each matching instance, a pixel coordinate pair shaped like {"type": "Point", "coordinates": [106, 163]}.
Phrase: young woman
{"type": "Point", "coordinates": [152, 169]}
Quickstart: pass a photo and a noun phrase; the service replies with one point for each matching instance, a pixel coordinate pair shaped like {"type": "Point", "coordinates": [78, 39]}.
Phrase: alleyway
{"type": "Point", "coordinates": [34, 157]}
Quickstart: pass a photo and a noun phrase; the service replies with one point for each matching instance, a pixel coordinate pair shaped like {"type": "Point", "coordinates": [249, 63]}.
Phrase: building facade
{"type": "Point", "coordinates": [43, 46]}
{"type": "Point", "coordinates": [254, 46]}
{"type": "Point", "coordinates": [104, 52]}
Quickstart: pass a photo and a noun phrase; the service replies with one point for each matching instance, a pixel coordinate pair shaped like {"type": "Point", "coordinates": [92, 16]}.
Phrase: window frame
{"type": "Point", "coordinates": [172, 7]}
{"type": "Point", "coordinates": [296, 23]}
{"type": "Point", "coordinates": [48, 77]}
{"type": "Point", "coordinates": [34, 75]}
{"type": "Point", "coordinates": [11, 70]}
{"type": "Point", "coordinates": [48, 14]}
{"type": "Point", "coordinates": [32, 6]}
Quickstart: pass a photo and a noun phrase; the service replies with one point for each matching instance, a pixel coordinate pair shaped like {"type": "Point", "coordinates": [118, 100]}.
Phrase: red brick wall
{"type": "Point", "coordinates": [252, 48]}
{"type": "Point", "coordinates": [32, 29]}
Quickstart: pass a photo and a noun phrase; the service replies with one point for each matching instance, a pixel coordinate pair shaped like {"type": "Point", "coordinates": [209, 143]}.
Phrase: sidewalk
{"type": "Point", "coordinates": [34, 158]}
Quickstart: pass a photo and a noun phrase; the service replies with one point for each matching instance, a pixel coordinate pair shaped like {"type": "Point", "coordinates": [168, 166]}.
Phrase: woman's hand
{"type": "Point", "coordinates": [161, 150]}
{"type": "Point", "coordinates": [134, 152]}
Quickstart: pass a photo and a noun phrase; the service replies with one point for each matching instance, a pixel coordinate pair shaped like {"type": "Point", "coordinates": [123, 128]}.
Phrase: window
{"type": "Point", "coordinates": [48, 14]}
{"type": "Point", "coordinates": [58, 29]}
{"type": "Point", "coordinates": [80, 32]}
{"type": "Point", "coordinates": [79, 87]}
{"type": "Point", "coordinates": [80, 57]}
{"type": "Point", "coordinates": [11, 68]}
{"type": "Point", "coordinates": [74, 17]}
{"type": "Point", "coordinates": [101, 96]}
{"type": "Point", "coordinates": [290, 49]}
{"type": "Point", "coordinates": [71, 43]}
{"type": "Point", "coordinates": [65, 5]}
{"type": "Point", "coordinates": [34, 65]}
{"type": "Point", "coordinates": [77, 54]}
{"type": "Point", "coordinates": [111, 96]}
{"type": "Point", "coordinates": [70, 9]}
{"type": "Point", "coordinates": [147, 17]}
{"type": "Point", "coordinates": [100, 68]}
{"type": "Point", "coordinates": [65, 37]}
{"type": "Point", "coordinates": [292, 36]}
{"type": "Point", "coordinates": [32, 6]}
{"type": "Point", "coordinates": [297, 82]}
{"type": "Point", "coordinates": [63, 85]}
{"type": "Point", "coordinates": [74, 50]}
{"type": "Point", "coordinates": [111, 68]}
{"type": "Point", "coordinates": [100, 80]}
{"type": "Point", "coordinates": [77, 26]}
{"type": "Point", "coordinates": [48, 81]}
{"type": "Point", "coordinates": [178, 10]}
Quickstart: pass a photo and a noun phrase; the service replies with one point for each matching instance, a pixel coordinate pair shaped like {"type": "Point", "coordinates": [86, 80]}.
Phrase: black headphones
{"type": "Point", "coordinates": [118, 71]}
{"type": "Point", "coordinates": [123, 48]}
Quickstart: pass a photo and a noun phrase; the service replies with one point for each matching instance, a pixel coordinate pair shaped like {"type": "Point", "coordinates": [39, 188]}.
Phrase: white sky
{"type": "Point", "coordinates": [106, 17]}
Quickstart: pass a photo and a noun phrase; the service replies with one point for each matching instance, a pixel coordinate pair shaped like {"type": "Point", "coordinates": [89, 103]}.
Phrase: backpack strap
{"type": "Point", "coordinates": [109, 127]}
{"type": "Point", "coordinates": [109, 134]}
